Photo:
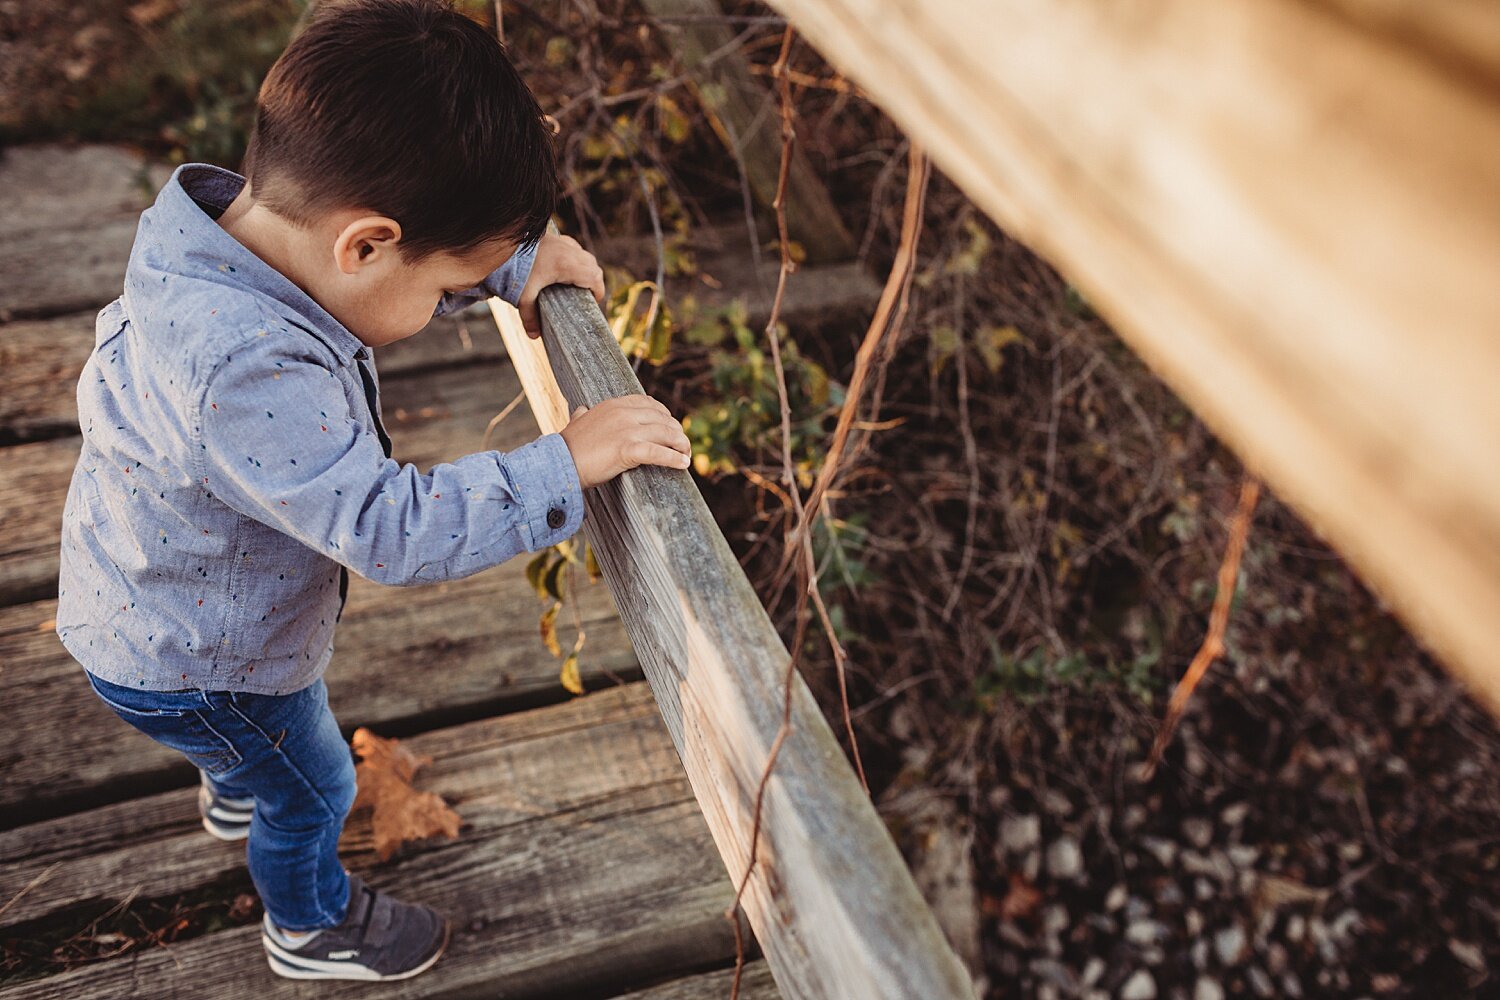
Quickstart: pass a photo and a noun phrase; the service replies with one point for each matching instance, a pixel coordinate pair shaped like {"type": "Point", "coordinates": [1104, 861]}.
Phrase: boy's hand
{"type": "Point", "coordinates": [559, 261]}
{"type": "Point", "coordinates": [621, 433]}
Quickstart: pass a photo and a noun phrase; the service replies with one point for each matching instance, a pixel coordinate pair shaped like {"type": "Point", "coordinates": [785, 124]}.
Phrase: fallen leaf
{"type": "Point", "coordinates": [569, 675]}
{"type": "Point", "coordinates": [399, 814]}
{"type": "Point", "coordinates": [1019, 902]}
{"type": "Point", "coordinates": [549, 628]}
{"type": "Point", "coordinates": [242, 907]}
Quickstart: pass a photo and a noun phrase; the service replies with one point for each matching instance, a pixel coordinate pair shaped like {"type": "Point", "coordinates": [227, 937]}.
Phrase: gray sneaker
{"type": "Point", "coordinates": [381, 938]}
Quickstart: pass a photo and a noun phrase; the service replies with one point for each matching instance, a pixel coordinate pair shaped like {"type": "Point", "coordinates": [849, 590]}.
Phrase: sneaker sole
{"type": "Point", "coordinates": [226, 833]}
{"type": "Point", "coordinates": [226, 819]}
{"type": "Point", "coordinates": [289, 965]}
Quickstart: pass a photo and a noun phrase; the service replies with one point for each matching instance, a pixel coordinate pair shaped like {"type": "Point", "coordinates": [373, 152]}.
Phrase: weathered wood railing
{"type": "Point", "coordinates": [831, 900]}
{"type": "Point", "coordinates": [1289, 208]}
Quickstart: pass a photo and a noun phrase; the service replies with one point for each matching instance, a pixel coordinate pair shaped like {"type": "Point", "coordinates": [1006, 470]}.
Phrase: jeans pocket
{"type": "Point", "coordinates": [184, 729]}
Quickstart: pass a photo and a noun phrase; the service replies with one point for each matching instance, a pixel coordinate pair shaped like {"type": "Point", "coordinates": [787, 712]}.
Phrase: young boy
{"type": "Point", "coordinates": [234, 466]}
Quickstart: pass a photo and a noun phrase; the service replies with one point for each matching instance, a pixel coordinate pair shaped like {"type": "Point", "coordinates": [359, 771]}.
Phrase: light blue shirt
{"type": "Point", "coordinates": [234, 465]}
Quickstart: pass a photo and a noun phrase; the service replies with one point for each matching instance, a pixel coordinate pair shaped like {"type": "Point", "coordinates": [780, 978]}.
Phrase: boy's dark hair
{"type": "Point", "coordinates": [410, 109]}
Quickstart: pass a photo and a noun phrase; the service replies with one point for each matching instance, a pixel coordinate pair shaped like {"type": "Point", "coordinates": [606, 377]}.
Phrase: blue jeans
{"type": "Point", "coordinates": [285, 751]}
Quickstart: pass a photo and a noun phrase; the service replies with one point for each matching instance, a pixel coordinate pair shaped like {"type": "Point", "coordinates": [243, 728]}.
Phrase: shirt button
{"type": "Point", "coordinates": [556, 517]}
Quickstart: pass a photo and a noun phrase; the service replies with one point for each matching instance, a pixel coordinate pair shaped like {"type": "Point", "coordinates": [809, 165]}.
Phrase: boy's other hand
{"type": "Point", "coordinates": [559, 261]}
{"type": "Point", "coordinates": [621, 433]}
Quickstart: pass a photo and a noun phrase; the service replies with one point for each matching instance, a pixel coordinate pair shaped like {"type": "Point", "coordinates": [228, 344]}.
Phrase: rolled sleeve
{"type": "Point", "coordinates": [544, 478]}
{"type": "Point", "coordinates": [507, 281]}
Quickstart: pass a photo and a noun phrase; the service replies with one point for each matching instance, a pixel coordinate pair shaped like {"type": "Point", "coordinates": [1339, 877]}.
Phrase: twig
{"type": "Point", "coordinates": [801, 514]}
{"type": "Point", "coordinates": [884, 324]}
{"type": "Point", "coordinates": [1213, 644]}
{"type": "Point", "coordinates": [787, 136]}
{"type": "Point", "coordinates": [495, 420]}
{"type": "Point", "coordinates": [45, 874]}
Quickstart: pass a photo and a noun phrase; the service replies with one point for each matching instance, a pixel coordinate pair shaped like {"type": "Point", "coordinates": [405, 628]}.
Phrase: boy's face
{"type": "Point", "coordinates": [385, 297]}
{"type": "Point", "coordinates": [350, 262]}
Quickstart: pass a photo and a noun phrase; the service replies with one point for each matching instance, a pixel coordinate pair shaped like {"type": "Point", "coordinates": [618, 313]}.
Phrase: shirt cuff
{"type": "Point", "coordinates": [544, 480]}
{"type": "Point", "coordinates": [509, 279]}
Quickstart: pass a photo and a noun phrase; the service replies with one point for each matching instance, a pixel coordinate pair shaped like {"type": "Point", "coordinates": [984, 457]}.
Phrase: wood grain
{"type": "Point", "coordinates": [831, 900]}
{"type": "Point", "coordinates": [156, 846]}
{"type": "Point", "coordinates": [404, 657]}
{"type": "Point", "coordinates": [755, 984]}
{"type": "Point", "coordinates": [583, 864]}
{"type": "Point", "coordinates": [67, 221]}
{"type": "Point", "coordinates": [1291, 210]}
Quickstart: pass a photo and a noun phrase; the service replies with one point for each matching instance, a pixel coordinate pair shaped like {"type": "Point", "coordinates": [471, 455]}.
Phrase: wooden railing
{"type": "Point", "coordinates": [830, 899]}
{"type": "Point", "coordinates": [1289, 208]}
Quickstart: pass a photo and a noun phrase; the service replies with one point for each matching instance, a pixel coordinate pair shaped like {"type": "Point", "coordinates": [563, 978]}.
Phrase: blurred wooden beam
{"type": "Point", "coordinates": [1289, 208]}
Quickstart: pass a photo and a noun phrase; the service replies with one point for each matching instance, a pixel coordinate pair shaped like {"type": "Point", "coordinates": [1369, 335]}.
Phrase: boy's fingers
{"type": "Point", "coordinates": [669, 434]}
{"type": "Point", "coordinates": [529, 317]}
{"type": "Point", "coordinates": [645, 452]}
{"type": "Point", "coordinates": [651, 403]}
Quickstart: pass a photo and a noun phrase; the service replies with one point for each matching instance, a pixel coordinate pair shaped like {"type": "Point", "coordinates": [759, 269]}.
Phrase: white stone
{"type": "Point", "coordinates": [1146, 932]}
{"type": "Point", "coordinates": [1207, 989]}
{"type": "Point", "coordinates": [1198, 831]}
{"type": "Point", "coordinates": [1020, 833]}
{"type": "Point", "coordinates": [1140, 986]}
{"type": "Point", "coordinates": [1116, 898]}
{"type": "Point", "coordinates": [1235, 815]}
{"type": "Point", "coordinates": [1229, 944]}
{"type": "Point", "coordinates": [1064, 858]}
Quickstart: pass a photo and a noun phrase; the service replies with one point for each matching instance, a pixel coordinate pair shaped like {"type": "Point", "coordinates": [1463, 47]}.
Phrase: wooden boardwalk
{"type": "Point", "coordinates": [584, 868]}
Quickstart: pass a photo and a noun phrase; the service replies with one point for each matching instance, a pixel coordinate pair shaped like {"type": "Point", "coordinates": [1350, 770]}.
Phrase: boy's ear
{"type": "Point", "coordinates": [366, 241]}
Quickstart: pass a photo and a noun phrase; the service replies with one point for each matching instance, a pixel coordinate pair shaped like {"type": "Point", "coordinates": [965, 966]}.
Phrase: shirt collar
{"type": "Point", "coordinates": [179, 214]}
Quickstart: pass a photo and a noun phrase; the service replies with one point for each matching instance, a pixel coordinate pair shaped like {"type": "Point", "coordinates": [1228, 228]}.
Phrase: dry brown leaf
{"type": "Point", "coordinates": [399, 814]}
{"type": "Point", "coordinates": [1019, 902]}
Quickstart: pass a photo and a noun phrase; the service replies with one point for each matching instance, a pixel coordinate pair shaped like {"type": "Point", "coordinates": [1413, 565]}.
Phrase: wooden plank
{"type": "Point", "coordinates": [156, 847]}
{"type": "Point", "coordinates": [67, 221]}
{"type": "Point", "coordinates": [755, 984]}
{"type": "Point", "coordinates": [831, 900]}
{"type": "Point", "coordinates": [403, 657]}
{"type": "Point", "coordinates": [582, 864]}
{"type": "Point", "coordinates": [434, 417]}
{"type": "Point", "coordinates": [33, 487]}
{"type": "Point", "coordinates": [745, 112]}
{"type": "Point", "coordinates": [1290, 210]}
